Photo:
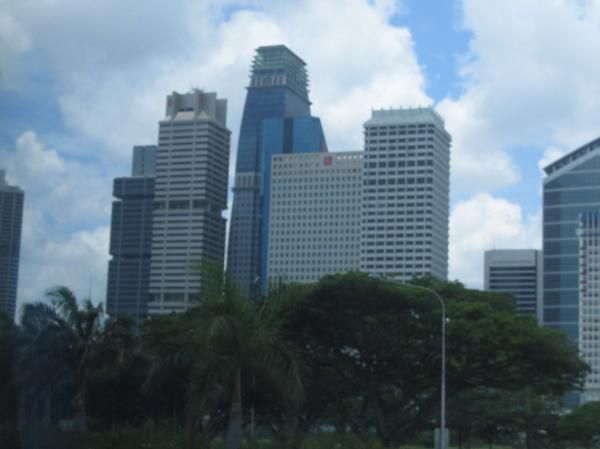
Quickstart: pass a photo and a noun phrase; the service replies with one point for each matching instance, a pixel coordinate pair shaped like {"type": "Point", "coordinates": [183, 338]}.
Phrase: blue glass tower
{"type": "Point", "coordinates": [278, 90]}
{"type": "Point", "coordinates": [571, 187]}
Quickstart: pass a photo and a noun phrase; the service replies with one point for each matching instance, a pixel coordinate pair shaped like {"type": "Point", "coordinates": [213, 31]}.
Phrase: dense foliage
{"type": "Point", "coordinates": [350, 356]}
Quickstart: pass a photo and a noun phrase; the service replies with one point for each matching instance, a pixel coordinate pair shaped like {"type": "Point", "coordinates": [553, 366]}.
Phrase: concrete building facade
{"type": "Point", "coordinates": [571, 187]}
{"type": "Point", "coordinates": [588, 233]}
{"type": "Point", "coordinates": [315, 215]}
{"type": "Point", "coordinates": [131, 237]}
{"type": "Point", "coordinates": [406, 194]}
{"type": "Point", "coordinates": [11, 222]}
{"type": "Point", "coordinates": [190, 194]}
{"type": "Point", "coordinates": [516, 272]}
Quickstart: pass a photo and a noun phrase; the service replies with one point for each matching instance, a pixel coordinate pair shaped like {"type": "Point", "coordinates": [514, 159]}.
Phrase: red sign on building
{"type": "Point", "coordinates": [327, 160]}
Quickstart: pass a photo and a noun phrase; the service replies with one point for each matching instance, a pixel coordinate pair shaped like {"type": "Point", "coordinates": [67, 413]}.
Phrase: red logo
{"type": "Point", "coordinates": [327, 160]}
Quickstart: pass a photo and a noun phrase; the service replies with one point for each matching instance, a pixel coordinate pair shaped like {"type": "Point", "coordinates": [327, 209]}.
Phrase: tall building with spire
{"type": "Point", "coordinates": [11, 221]}
{"type": "Point", "coordinates": [276, 120]}
{"type": "Point", "coordinates": [190, 196]}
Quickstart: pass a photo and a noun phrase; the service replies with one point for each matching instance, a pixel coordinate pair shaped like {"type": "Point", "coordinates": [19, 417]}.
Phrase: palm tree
{"type": "Point", "coordinates": [226, 338]}
{"type": "Point", "coordinates": [58, 337]}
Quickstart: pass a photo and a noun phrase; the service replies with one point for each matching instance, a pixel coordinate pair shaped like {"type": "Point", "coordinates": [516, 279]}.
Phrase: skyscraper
{"type": "Point", "coordinates": [144, 160]}
{"type": "Point", "coordinates": [571, 187]}
{"type": "Point", "coordinates": [191, 194]}
{"type": "Point", "coordinates": [516, 272]}
{"type": "Point", "coordinates": [406, 194]}
{"type": "Point", "coordinates": [11, 220]}
{"type": "Point", "coordinates": [588, 232]}
{"type": "Point", "coordinates": [131, 237]}
{"type": "Point", "coordinates": [278, 90]}
{"type": "Point", "coordinates": [315, 216]}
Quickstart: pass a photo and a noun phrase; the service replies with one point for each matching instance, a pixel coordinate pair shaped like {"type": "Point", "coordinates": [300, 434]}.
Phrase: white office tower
{"type": "Point", "coordinates": [406, 194]}
{"type": "Point", "coordinates": [518, 273]}
{"type": "Point", "coordinates": [315, 213]}
{"type": "Point", "coordinates": [191, 194]}
{"type": "Point", "coordinates": [588, 232]}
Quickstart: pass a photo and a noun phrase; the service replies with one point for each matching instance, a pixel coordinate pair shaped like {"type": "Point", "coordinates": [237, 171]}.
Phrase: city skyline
{"type": "Point", "coordinates": [68, 151]}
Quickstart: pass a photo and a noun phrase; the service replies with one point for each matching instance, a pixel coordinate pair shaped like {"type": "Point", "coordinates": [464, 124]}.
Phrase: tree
{"type": "Point", "coordinates": [8, 381]}
{"type": "Point", "coordinates": [57, 343]}
{"type": "Point", "coordinates": [218, 344]}
{"type": "Point", "coordinates": [580, 426]}
{"type": "Point", "coordinates": [119, 368]}
{"type": "Point", "coordinates": [376, 347]}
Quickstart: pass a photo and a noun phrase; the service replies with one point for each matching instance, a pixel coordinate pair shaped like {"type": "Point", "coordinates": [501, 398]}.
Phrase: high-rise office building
{"type": "Point", "coordinates": [406, 194]}
{"type": "Point", "coordinates": [571, 187]}
{"type": "Point", "coordinates": [11, 220]}
{"type": "Point", "coordinates": [278, 90]}
{"type": "Point", "coordinates": [144, 160]}
{"type": "Point", "coordinates": [191, 194]}
{"type": "Point", "coordinates": [588, 232]}
{"type": "Point", "coordinates": [315, 215]}
{"type": "Point", "coordinates": [131, 237]}
{"type": "Point", "coordinates": [518, 273]}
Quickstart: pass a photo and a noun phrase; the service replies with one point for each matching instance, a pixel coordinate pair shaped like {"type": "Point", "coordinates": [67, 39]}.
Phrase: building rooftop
{"type": "Point", "coordinates": [277, 65]}
{"type": "Point", "coordinates": [404, 115]}
{"type": "Point", "coordinates": [574, 155]}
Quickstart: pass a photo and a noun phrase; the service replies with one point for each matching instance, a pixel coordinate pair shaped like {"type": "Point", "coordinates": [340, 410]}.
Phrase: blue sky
{"type": "Point", "coordinates": [83, 81]}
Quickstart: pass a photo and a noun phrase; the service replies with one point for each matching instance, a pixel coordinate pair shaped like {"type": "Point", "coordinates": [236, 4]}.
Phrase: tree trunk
{"type": "Point", "coordinates": [80, 412]}
{"type": "Point", "coordinates": [234, 427]}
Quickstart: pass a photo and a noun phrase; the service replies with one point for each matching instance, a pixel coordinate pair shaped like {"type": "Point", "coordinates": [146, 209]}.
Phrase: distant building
{"type": "Point", "coordinates": [571, 187]}
{"type": "Point", "coordinates": [406, 194]}
{"type": "Point", "coordinates": [144, 160]}
{"type": "Point", "coordinates": [516, 272]}
{"type": "Point", "coordinates": [190, 193]}
{"type": "Point", "coordinates": [589, 301]}
{"type": "Point", "coordinates": [315, 215]}
{"type": "Point", "coordinates": [11, 221]}
{"type": "Point", "coordinates": [276, 120]}
{"type": "Point", "coordinates": [131, 237]}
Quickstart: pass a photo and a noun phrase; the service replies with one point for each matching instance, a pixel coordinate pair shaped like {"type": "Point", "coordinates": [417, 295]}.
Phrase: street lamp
{"type": "Point", "coordinates": [442, 436]}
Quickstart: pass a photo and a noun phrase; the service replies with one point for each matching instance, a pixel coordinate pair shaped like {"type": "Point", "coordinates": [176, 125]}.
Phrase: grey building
{"type": "Point", "coordinates": [516, 272]}
{"type": "Point", "coordinates": [144, 160]}
{"type": "Point", "coordinates": [571, 187]}
{"type": "Point", "coordinates": [405, 203]}
{"type": "Point", "coordinates": [190, 193]}
{"type": "Point", "coordinates": [588, 232]}
{"type": "Point", "coordinates": [131, 237]}
{"type": "Point", "coordinates": [315, 215]}
{"type": "Point", "coordinates": [11, 220]}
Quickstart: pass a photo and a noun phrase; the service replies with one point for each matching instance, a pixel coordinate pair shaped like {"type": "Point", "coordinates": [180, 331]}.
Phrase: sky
{"type": "Point", "coordinates": [82, 81]}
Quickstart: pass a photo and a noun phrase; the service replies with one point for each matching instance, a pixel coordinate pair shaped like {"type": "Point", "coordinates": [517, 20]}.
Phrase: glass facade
{"type": "Point", "coordinates": [278, 90]}
{"type": "Point", "coordinates": [130, 247]}
{"type": "Point", "coordinates": [571, 188]}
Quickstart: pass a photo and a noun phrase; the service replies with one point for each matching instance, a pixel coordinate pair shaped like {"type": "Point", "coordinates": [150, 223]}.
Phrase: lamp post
{"type": "Point", "coordinates": [442, 439]}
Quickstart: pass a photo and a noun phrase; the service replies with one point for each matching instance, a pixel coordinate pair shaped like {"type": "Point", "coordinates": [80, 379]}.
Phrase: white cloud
{"type": "Point", "coordinates": [114, 68]}
{"type": "Point", "coordinates": [67, 204]}
{"type": "Point", "coordinates": [486, 222]}
{"type": "Point", "coordinates": [14, 41]}
{"type": "Point", "coordinates": [531, 80]}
